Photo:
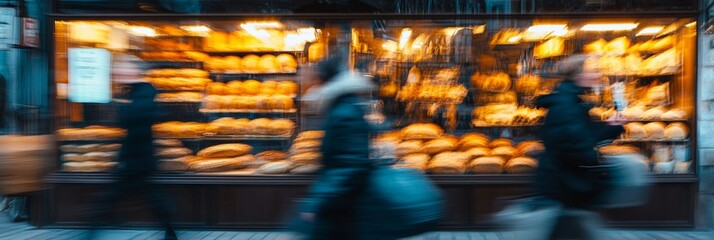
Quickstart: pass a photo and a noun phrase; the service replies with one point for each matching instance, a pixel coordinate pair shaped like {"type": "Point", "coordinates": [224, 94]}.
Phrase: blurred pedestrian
{"type": "Point", "coordinates": [331, 208]}
{"type": "Point", "coordinates": [137, 163]}
{"type": "Point", "coordinates": [564, 172]}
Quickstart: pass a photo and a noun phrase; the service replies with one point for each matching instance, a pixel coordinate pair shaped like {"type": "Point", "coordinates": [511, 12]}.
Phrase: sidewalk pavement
{"type": "Point", "coordinates": [24, 231]}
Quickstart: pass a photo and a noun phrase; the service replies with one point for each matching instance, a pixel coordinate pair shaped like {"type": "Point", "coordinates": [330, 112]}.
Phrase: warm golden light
{"type": "Point", "coordinates": [142, 31]}
{"type": "Point", "coordinates": [200, 29]}
{"type": "Point", "coordinates": [649, 31]}
{"type": "Point", "coordinates": [602, 27]}
{"type": "Point", "coordinates": [261, 25]}
{"type": "Point", "coordinates": [404, 37]}
{"type": "Point", "coordinates": [390, 46]}
{"type": "Point", "coordinates": [307, 34]}
{"type": "Point", "coordinates": [515, 39]}
{"type": "Point", "coordinates": [548, 28]}
{"type": "Point", "coordinates": [691, 24]}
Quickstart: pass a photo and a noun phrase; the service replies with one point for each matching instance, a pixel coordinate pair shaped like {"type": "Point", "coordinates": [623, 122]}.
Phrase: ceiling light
{"type": "Point", "coordinates": [546, 28]}
{"type": "Point", "coordinates": [142, 31]}
{"type": "Point", "coordinates": [514, 39]}
{"type": "Point", "coordinates": [602, 27]}
{"type": "Point", "coordinates": [649, 31]}
{"type": "Point", "coordinates": [201, 29]}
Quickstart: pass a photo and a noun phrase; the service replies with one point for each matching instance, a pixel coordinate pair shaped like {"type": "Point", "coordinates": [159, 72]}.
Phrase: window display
{"type": "Point", "coordinates": [459, 97]}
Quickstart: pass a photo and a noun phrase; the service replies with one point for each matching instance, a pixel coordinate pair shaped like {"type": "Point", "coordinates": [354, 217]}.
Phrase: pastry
{"type": "Point", "coordinates": [635, 130]}
{"type": "Point", "coordinates": [225, 150]}
{"type": "Point", "coordinates": [442, 144]}
{"type": "Point", "coordinates": [90, 133]}
{"type": "Point", "coordinates": [174, 152]}
{"type": "Point", "coordinates": [521, 165]}
{"type": "Point", "coordinates": [422, 131]}
{"type": "Point", "coordinates": [653, 113]}
{"type": "Point", "coordinates": [676, 131]}
{"type": "Point", "coordinates": [288, 88]}
{"type": "Point", "coordinates": [213, 165]}
{"type": "Point", "coordinates": [279, 167]}
{"type": "Point", "coordinates": [618, 150]}
{"type": "Point", "coordinates": [305, 146]}
{"type": "Point", "coordinates": [408, 147]}
{"type": "Point", "coordinates": [530, 148]}
{"type": "Point", "coordinates": [272, 155]}
{"type": "Point", "coordinates": [505, 152]}
{"type": "Point", "coordinates": [654, 130]}
{"type": "Point", "coordinates": [501, 142]}
{"type": "Point", "coordinates": [487, 165]}
{"type": "Point", "coordinates": [306, 169]}
{"type": "Point", "coordinates": [472, 140]}
{"type": "Point", "coordinates": [173, 165]}
{"type": "Point", "coordinates": [306, 158]}
{"type": "Point", "coordinates": [261, 126]}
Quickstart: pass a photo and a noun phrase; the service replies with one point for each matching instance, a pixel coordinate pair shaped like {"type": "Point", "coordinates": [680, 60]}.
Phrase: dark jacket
{"type": "Point", "coordinates": [345, 159]}
{"type": "Point", "coordinates": [570, 138]}
{"type": "Point", "coordinates": [136, 155]}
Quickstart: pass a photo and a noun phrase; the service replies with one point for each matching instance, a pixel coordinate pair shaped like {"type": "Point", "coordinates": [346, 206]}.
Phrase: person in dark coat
{"type": "Point", "coordinates": [331, 207]}
{"type": "Point", "coordinates": [570, 138]}
{"type": "Point", "coordinates": [137, 163]}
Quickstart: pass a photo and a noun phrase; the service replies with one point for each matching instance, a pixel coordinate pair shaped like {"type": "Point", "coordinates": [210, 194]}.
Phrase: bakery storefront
{"type": "Point", "coordinates": [456, 91]}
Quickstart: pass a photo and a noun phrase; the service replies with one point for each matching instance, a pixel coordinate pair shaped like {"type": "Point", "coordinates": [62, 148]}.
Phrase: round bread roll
{"type": "Point", "coordinates": [251, 87]}
{"type": "Point", "coordinates": [472, 140]}
{"type": "Point", "coordinates": [234, 63]}
{"type": "Point", "coordinates": [457, 156]}
{"type": "Point", "coordinates": [506, 152]}
{"type": "Point", "coordinates": [286, 63]}
{"type": "Point", "coordinates": [487, 165]}
{"type": "Point", "coordinates": [306, 169]}
{"type": "Point", "coordinates": [306, 158]}
{"type": "Point", "coordinates": [478, 152]}
{"type": "Point", "coordinates": [674, 114]}
{"type": "Point", "coordinates": [530, 148]}
{"type": "Point", "coordinates": [269, 84]}
{"type": "Point", "coordinates": [633, 113]}
{"type": "Point", "coordinates": [272, 155]}
{"type": "Point", "coordinates": [653, 113]}
{"type": "Point", "coordinates": [635, 130]}
{"type": "Point", "coordinates": [618, 150]}
{"type": "Point", "coordinates": [250, 62]}
{"type": "Point", "coordinates": [267, 64]}
{"type": "Point", "coordinates": [225, 150]}
{"type": "Point", "coordinates": [422, 131]}
{"type": "Point", "coordinates": [234, 87]}
{"type": "Point", "coordinates": [216, 88]}
{"type": "Point", "coordinates": [408, 147]}
{"type": "Point", "coordinates": [288, 88]}
{"type": "Point", "coordinates": [654, 130]}
{"type": "Point", "coordinates": [417, 161]}
{"type": "Point", "coordinates": [445, 166]}
{"type": "Point", "coordinates": [676, 131]}
{"type": "Point", "coordinates": [521, 165]}
{"type": "Point", "coordinates": [279, 167]}
{"type": "Point", "coordinates": [501, 142]}
{"type": "Point", "coordinates": [442, 144]}
{"type": "Point", "coordinates": [309, 135]}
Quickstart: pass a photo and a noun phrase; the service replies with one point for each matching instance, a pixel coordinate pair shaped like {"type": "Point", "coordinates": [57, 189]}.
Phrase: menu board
{"type": "Point", "coordinates": [89, 75]}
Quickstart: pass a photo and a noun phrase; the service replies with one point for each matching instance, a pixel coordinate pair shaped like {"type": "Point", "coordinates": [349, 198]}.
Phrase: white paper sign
{"type": "Point", "coordinates": [89, 75]}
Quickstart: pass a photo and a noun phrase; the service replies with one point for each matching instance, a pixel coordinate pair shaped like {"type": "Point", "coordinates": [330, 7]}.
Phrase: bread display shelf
{"type": "Point", "coordinates": [480, 125]}
{"type": "Point", "coordinates": [186, 102]}
{"type": "Point", "coordinates": [179, 89]}
{"type": "Point", "coordinates": [646, 75]}
{"type": "Point", "coordinates": [248, 137]}
{"type": "Point", "coordinates": [92, 140]}
{"type": "Point", "coordinates": [203, 110]}
{"type": "Point", "coordinates": [275, 52]}
{"type": "Point", "coordinates": [651, 140]}
{"type": "Point", "coordinates": [240, 73]}
{"type": "Point", "coordinates": [652, 120]}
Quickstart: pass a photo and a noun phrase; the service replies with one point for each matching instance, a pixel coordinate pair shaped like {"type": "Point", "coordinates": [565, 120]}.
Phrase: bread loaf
{"type": "Point", "coordinates": [676, 131]}
{"type": "Point", "coordinates": [272, 155]}
{"type": "Point", "coordinates": [174, 152]}
{"type": "Point", "coordinates": [501, 142]}
{"type": "Point", "coordinates": [213, 165]}
{"type": "Point", "coordinates": [506, 152]}
{"type": "Point", "coordinates": [530, 148]}
{"type": "Point", "coordinates": [225, 150]}
{"type": "Point", "coordinates": [305, 146]}
{"type": "Point", "coordinates": [618, 150]}
{"type": "Point", "coordinates": [90, 148]}
{"type": "Point", "coordinates": [442, 144]}
{"type": "Point", "coordinates": [521, 165]}
{"type": "Point", "coordinates": [422, 131]}
{"type": "Point", "coordinates": [309, 135]}
{"type": "Point", "coordinates": [448, 163]}
{"type": "Point", "coordinates": [174, 165]}
{"type": "Point", "coordinates": [472, 140]}
{"type": "Point", "coordinates": [635, 130]}
{"type": "Point", "coordinates": [88, 166]}
{"type": "Point", "coordinates": [279, 167]}
{"type": "Point", "coordinates": [478, 152]}
{"type": "Point", "coordinates": [654, 130]}
{"type": "Point", "coordinates": [487, 165]}
{"type": "Point", "coordinates": [168, 143]}
{"type": "Point", "coordinates": [306, 169]}
{"type": "Point", "coordinates": [417, 161]}
{"type": "Point", "coordinates": [280, 127]}
{"type": "Point", "coordinates": [306, 158]}
{"type": "Point", "coordinates": [408, 147]}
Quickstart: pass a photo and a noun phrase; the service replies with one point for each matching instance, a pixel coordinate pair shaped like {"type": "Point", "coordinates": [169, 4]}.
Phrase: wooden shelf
{"type": "Point", "coordinates": [652, 140]}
